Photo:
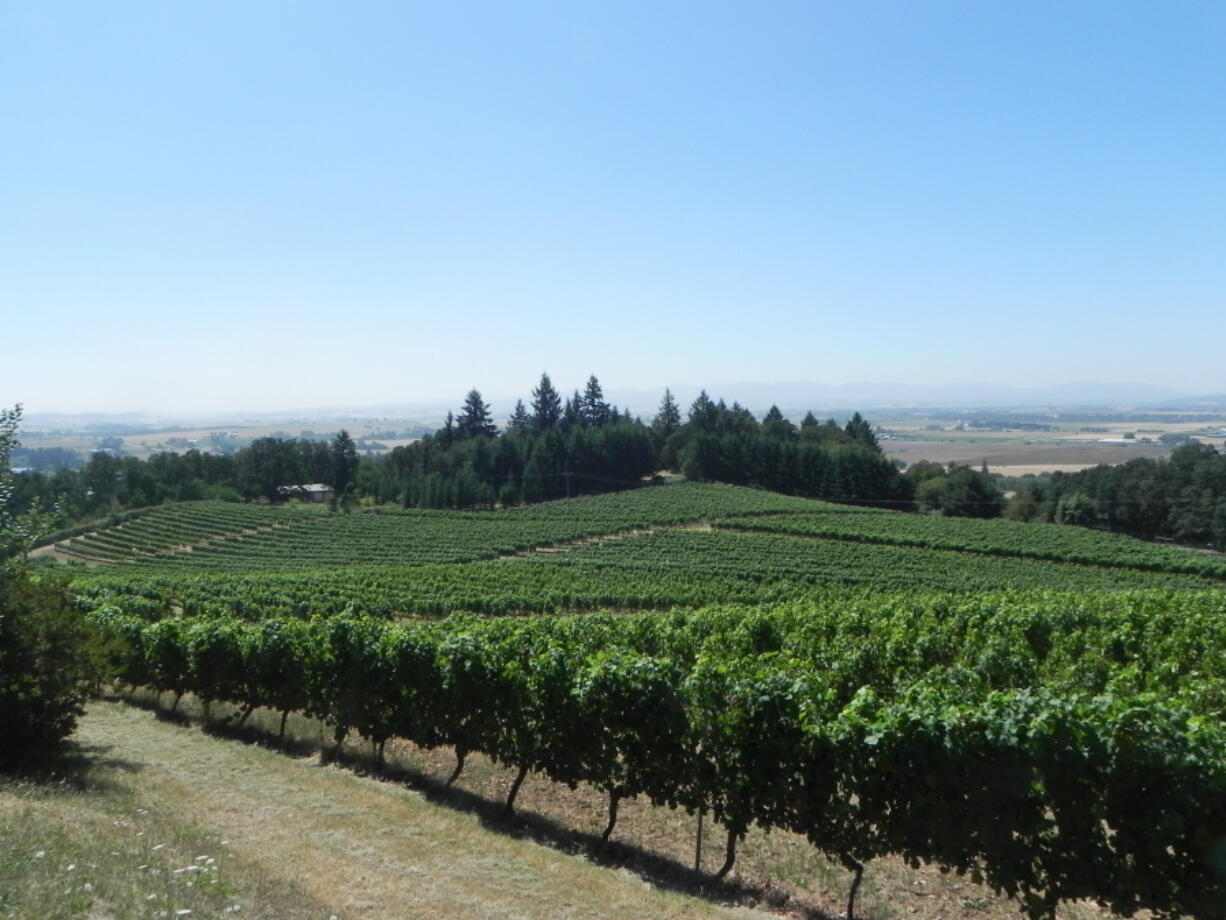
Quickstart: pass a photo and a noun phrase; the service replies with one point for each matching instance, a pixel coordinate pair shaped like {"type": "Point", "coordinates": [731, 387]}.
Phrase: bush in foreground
{"type": "Point", "coordinates": [49, 660]}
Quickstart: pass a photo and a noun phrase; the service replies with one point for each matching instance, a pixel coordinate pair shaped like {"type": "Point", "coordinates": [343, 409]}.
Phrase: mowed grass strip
{"type": "Point", "coordinates": [330, 842]}
{"type": "Point", "coordinates": [90, 842]}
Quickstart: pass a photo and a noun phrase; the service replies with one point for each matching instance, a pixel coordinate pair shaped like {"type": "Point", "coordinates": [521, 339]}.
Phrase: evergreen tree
{"type": "Point", "coordinates": [593, 410]}
{"type": "Point", "coordinates": [520, 420]}
{"type": "Point", "coordinates": [572, 412]}
{"type": "Point", "coordinates": [344, 463]}
{"type": "Point", "coordinates": [774, 425]}
{"type": "Point", "coordinates": [970, 494]}
{"type": "Point", "coordinates": [704, 414]}
{"type": "Point", "coordinates": [546, 405]}
{"type": "Point", "coordinates": [668, 419]}
{"type": "Point", "coordinates": [737, 419]}
{"type": "Point", "coordinates": [858, 429]}
{"type": "Point", "coordinates": [810, 429]}
{"type": "Point", "coordinates": [446, 435]}
{"type": "Point", "coordinates": [474, 420]}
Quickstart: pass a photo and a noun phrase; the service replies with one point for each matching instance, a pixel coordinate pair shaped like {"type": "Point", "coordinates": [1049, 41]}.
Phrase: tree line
{"type": "Point", "coordinates": [1181, 498]}
{"type": "Point", "coordinates": [553, 447]}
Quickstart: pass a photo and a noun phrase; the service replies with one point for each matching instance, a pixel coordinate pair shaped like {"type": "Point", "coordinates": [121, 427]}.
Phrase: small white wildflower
{"type": "Point", "coordinates": [87, 887]}
{"type": "Point", "coordinates": [40, 854]}
{"type": "Point", "coordinates": [210, 861]}
{"type": "Point", "coordinates": [71, 867]}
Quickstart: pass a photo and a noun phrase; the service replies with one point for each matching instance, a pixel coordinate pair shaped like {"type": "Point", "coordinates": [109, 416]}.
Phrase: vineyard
{"type": "Point", "coordinates": [1053, 542]}
{"type": "Point", "coordinates": [215, 535]}
{"type": "Point", "coordinates": [1040, 707]}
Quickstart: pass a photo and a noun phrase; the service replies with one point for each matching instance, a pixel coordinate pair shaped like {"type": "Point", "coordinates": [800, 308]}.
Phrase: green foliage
{"type": "Point", "coordinates": [968, 493]}
{"type": "Point", "coordinates": [1176, 498]}
{"type": "Point", "coordinates": [666, 422]}
{"type": "Point", "coordinates": [958, 492]}
{"type": "Point", "coordinates": [1050, 784]}
{"type": "Point", "coordinates": [995, 538]}
{"type": "Point", "coordinates": [849, 473]}
{"type": "Point", "coordinates": [49, 657]}
{"type": "Point", "coordinates": [520, 420]}
{"type": "Point", "coordinates": [344, 464]}
{"type": "Point", "coordinates": [546, 405]}
{"type": "Point", "coordinates": [474, 419]}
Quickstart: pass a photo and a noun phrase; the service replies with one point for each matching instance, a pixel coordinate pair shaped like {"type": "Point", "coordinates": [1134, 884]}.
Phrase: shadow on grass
{"type": "Point", "coordinates": [76, 766]}
{"type": "Point", "coordinates": [654, 868]}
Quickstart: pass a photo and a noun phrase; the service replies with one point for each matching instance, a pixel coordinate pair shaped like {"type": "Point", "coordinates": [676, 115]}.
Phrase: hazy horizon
{"type": "Point", "coordinates": [756, 395]}
{"type": "Point", "coordinates": [283, 205]}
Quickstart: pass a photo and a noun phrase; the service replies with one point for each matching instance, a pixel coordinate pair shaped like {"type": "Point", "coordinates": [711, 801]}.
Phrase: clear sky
{"type": "Point", "coordinates": [270, 205]}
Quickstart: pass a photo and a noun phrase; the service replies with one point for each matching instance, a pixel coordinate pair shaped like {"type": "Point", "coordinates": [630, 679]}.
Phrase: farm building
{"type": "Point", "coordinates": [310, 492]}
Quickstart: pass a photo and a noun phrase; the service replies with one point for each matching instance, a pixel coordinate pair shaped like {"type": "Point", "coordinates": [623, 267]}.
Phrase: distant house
{"type": "Point", "coordinates": [311, 492]}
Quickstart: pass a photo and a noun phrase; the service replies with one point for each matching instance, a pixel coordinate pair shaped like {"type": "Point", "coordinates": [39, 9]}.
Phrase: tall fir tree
{"type": "Point", "coordinates": [475, 420]}
{"type": "Point", "coordinates": [572, 412]}
{"type": "Point", "coordinates": [446, 435]}
{"type": "Point", "coordinates": [546, 405]}
{"type": "Point", "coordinates": [520, 420]}
{"type": "Point", "coordinates": [593, 410]}
{"type": "Point", "coordinates": [704, 414]}
{"type": "Point", "coordinates": [668, 419]}
{"type": "Point", "coordinates": [859, 429]}
{"type": "Point", "coordinates": [344, 463]}
{"type": "Point", "coordinates": [776, 426]}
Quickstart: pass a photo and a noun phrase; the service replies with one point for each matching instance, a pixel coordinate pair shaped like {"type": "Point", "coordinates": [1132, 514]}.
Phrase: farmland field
{"type": "Point", "coordinates": [772, 662]}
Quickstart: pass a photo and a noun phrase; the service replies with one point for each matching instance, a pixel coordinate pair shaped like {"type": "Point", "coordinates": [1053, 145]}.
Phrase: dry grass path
{"type": "Point", "coordinates": [356, 846]}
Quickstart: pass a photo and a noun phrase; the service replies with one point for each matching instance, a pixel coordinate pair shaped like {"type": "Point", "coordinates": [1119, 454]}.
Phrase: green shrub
{"type": "Point", "coordinates": [49, 660]}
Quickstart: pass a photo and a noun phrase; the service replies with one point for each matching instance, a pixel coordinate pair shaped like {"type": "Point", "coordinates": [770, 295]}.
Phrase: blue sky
{"type": "Point", "coordinates": [262, 205]}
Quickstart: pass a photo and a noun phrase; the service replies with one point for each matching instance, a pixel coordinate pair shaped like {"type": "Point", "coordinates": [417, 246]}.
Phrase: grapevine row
{"type": "Point", "coordinates": [1047, 794]}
